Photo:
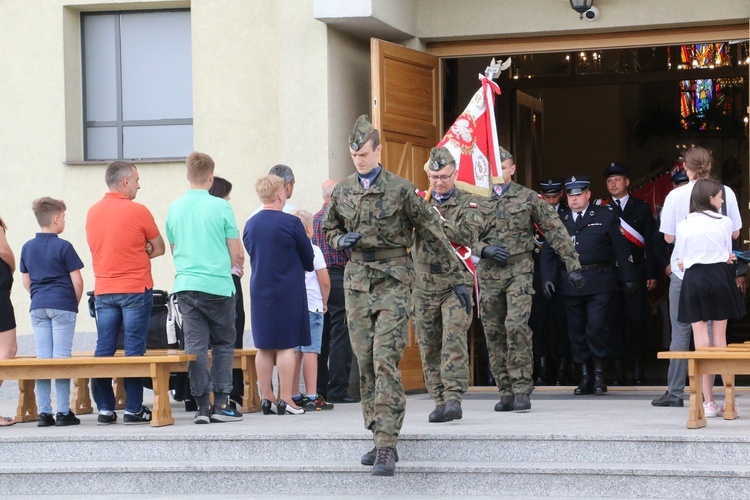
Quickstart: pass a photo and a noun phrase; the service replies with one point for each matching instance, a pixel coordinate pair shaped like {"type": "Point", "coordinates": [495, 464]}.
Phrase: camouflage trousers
{"type": "Point", "coordinates": [505, 306]}
{"type": "Point", "coordinates": [441, 324]}
{"type": "Point", "coordinates": [378, 330]}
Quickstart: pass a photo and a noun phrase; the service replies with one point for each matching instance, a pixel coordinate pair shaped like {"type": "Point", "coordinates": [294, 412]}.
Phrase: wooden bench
{"type": "Point", "coordinates": [27, 369]}
{"type": "Point", "coordinates": [728, 361]}
{"type": "Point", "coordinates": [244, 359]}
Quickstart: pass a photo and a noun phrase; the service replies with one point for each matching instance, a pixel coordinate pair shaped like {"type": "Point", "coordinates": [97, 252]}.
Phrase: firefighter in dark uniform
{"type": "Point", "coordinates": [597, 239]}
{"type": "Point", "coordinates": [630, 304]}
{"type": "Point", "coordinates": [547, 322]}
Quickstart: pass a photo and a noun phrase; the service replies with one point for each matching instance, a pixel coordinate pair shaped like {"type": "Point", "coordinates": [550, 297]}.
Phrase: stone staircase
{"type": "Point", "coordinates": [519, 465]}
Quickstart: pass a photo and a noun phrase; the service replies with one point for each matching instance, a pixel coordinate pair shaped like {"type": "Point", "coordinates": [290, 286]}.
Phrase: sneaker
{"type": "Point", "coordinates": [710, 409]}
{"type": "Point", "coordinates": [202, 416]}
{"type": "Point", "coordinates": [66, 419]}
{"type": "Point", "coordinates": [142, 417]}
{"type": "Point", "coordinates": [224, 413]}
{"type": "Point", "coordinates": [45, 420]}
{"type": "Point", "coordinates": [721, 412]}
{"type": "Point", "coordinates": [103, 419]}
{"type": "Point", "coordinates": [316, 404]}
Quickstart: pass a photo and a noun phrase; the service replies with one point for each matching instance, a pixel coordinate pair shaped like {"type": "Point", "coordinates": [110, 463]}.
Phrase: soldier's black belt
{"type": "Point", "coordinates": [595, 267]}
{"type": "Point", "coordinates": [430, 268]}
{"type": "Point", "coordinates": [373, 255]}
{"type": "Point", "coordinates": [518, 257]}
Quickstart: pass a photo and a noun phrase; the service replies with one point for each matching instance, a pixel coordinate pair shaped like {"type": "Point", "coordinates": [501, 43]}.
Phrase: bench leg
{"type": "Point", "coordinates": [250, 397]}
{"type": "Point", "coordinates": [119, 389]}
{"type": "Point", "coordinates": [27, 410]}
{"type": "Point", "coordinates": [729, 413]}
{"type": "Point", "coordinates": [162, 411]}
{"type": "Point", "coordinates": [81, 398]}
{"type": "Point", "coordinates": [696, 417]}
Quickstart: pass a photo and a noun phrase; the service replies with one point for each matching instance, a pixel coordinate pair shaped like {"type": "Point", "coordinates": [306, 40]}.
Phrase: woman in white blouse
{"type": "Point", "coordinates": [704, 245]}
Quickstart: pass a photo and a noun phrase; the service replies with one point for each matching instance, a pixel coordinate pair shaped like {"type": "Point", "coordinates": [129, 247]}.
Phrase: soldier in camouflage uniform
{"type": "Point", "coordinates": [375, 213]}
{"type": "Point", "coordinates": [505, 273]}
{"type": "Point", "coordinates": [440, 321]}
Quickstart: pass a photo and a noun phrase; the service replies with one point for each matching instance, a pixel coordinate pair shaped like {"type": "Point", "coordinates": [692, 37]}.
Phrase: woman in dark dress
{"type": "Point", "coordinates": [280, 253]}
{"type": "Point", "coordinates": [8, 346]}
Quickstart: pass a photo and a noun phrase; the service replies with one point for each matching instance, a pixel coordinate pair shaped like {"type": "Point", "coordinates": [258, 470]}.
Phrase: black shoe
{"type": "Point", "coordinates": [345, 399]}
{"type": "Point", "coordinates": [66, 419]}
{"type": "Point", "coordinates": [600, 386]}
{"type": "Point", "coordinates": [619, 379]}
{"type": "Point", "coordinates": [638, 372]}
{"type": "Point", "coordinates": [191, 405]}
{"type": "Point", "coordinates": [521, 402]}
{"type": "Point", "coordinates": [453, 410]}
{"type": "Point", "coordinates": [505, 404]}
{"type": "Point", "coordinates": [142, 417]}
{"type": "Point", "coordinates": [385, 462]}
{"type": "Point", "coordinates": [268, 407]}
{"type": "Point", "coordinates": [584, 387]}
{"type": "Point", "coordinates": [438, 414]}
{"type": "Point", "coordinates": [45, 420]}
{"type": "Point", "coordinates": [369, 457]}
{"type": "Point", "coordinates": [562, 370]}
{"type": "Point", "coordinates": [203, 415]}
{"type": "Point", "coordinates": [106, 419]}
{"type": "Point", "coordinates": [225, 413]}
{"type": "Point", "coordinates": [668, 400]}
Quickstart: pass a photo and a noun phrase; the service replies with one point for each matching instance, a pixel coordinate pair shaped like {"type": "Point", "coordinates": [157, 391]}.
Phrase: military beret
{"type": "Point", "coordinates": [505, 154]}
{"type": "Point", "coordinates": [577, 185]}
{"type": "Point", "coordinates": [679, 177]}
{"type": "Point", "coordinates": [553, 185]}
{"type": "Point", "coordinates": [361, 133]}
{"type": "Point", "coordinates": [615, 168]}
{"type": "Point", "coordinates": [439, 158]}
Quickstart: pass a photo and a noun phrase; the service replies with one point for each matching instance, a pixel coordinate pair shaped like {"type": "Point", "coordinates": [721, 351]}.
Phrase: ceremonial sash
{"type": "Point", "coordinates": [631, 234]}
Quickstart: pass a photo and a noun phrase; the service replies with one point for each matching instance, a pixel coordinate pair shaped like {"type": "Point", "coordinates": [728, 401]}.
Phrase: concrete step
{"type": "Point", "coordinates": [518, 479]}
{"type": "Point", "coordinates": [480, 449]}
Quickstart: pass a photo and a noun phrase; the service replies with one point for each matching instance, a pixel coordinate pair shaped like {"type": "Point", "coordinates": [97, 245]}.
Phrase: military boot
{"type": "Point", "coordinates": [385, 462]}
{"type": "Point", "coordinates": [369, 457]}
{"type": "Point", "coordinates": [453, 410]}
{"type": "Point", "coordinates": [619, 379]}
{"type": "Point", "coordinates": [543, 371]}
{"type": "Point", "coordinates": [438, 414]}
{"type": "Point", "coordinates": [584, 387]}
{"type": "Point", "coordinates": [600, 386]}
{"type": "Point", "coordinates": [505, 404]}
{"type": "Point", "coordinates": [639, 375]}
{"type": "Point", "coordinates": [562, 371]}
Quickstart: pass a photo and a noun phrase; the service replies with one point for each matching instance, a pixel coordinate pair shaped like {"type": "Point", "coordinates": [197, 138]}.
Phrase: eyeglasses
{"type": "Point", "coordinates": [435, 178]}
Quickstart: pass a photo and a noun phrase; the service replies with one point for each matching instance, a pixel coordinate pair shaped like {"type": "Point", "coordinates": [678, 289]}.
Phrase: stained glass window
{"type": "Point", "coordinates": [699, 97]}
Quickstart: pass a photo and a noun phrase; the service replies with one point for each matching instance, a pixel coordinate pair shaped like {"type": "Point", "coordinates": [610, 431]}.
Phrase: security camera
{"type": "Point", "coordinates": [592, 14]}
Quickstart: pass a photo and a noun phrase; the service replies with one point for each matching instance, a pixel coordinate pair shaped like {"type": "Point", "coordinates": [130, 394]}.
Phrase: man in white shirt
{"type": "Point", "coordinates": [676, 207]}
{"type": "Point", "coordinates": [288, 177]}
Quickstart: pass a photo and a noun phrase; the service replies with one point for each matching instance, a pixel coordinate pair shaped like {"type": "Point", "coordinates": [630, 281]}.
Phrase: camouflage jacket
{"type": "Point", "coordinates": [509, 220]}
{"type": "Point", "coordinates": [386, 215]}
{"type": "Point", "coordinates": [462, 220]}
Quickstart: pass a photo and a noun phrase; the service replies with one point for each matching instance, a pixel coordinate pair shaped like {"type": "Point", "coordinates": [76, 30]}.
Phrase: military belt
{"type": "Point", "coordinates": [373, 255]}
{"type": "Point", "coordinates": [595, 267]}
{"type": "Point", "coordinates": [518, 257]}
{"type": "Point", "coordinates": [430, 268]}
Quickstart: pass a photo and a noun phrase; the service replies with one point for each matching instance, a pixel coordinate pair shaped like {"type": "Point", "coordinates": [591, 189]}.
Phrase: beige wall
{"type": "Point", "coordinates": [260, 72]}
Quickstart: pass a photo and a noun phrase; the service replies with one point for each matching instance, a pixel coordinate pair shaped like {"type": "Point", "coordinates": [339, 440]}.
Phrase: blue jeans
{"type": "Point", "coordinates": [132, 312]}
{"type": "Point", "coordinates": [53, 336]}
{"type": "Point", "coordinates": [316, 333]}
{"type": "Point", "coordinates": [208, 319]}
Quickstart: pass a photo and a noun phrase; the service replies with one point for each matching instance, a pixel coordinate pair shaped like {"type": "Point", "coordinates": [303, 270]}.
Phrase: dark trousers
{"type": "Point", "coordinates": [549, 329]}
{"type": "Point", "coordinates": [588, 326]}
{"type": "Point", "coordinates": [340, 347]}
{"type": "Point", "coordinates": [238, 383]}
{"type": "Point", "coordinates": [633, 312]}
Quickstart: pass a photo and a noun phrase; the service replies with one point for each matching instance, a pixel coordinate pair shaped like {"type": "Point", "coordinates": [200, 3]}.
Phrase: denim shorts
{"type": "Point", "coordinates": [316, 333]}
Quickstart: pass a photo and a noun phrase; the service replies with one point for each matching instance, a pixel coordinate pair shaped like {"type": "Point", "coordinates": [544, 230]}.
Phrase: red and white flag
{"type": "Point", "coordinates": [472, 140]}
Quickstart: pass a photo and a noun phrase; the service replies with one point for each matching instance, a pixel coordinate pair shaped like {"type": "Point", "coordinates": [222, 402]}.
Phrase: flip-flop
{"type": "Point", "coordinates": [7, 421]}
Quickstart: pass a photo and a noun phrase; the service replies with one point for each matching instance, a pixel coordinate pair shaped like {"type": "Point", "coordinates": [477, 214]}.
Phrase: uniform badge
{"type": "Point", "coordinates": [354, 146]}
{"type": "Point", "coordinates": [591, 214]}
{"type": "Point", "coordinates": [567, 217]}
{"type": "Point", "coordinates": [573, 239]}
{"type": "Point", "coordinates": [630, 259]}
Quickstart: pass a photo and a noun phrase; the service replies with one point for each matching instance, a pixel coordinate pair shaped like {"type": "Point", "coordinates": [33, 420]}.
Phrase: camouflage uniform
{"type": "Point", "coordinates": [506, 292]}
{"type": "Point", "coordinates": [440, 321]}
{"type": "Point", "coordinates": [377, 282]}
